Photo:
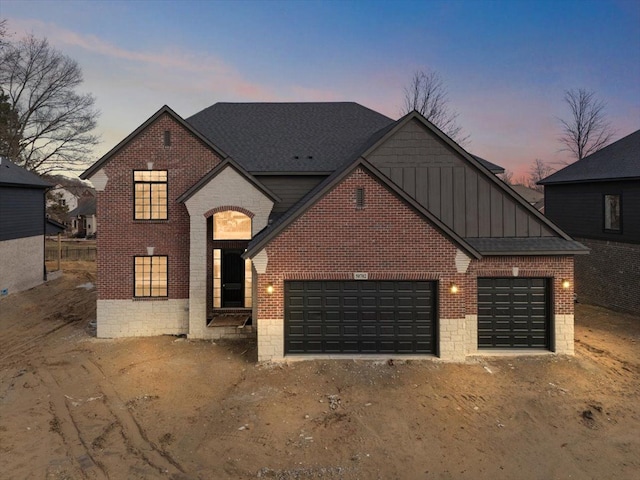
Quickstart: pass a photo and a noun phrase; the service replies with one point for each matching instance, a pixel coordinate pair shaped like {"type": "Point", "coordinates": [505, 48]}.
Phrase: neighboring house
{"type": "Point", "coordinates": [22, 228]}
{"type": "Point", "coordinates": [533, 197]}
{"type": "Point", "coordinates": [83, 218]}
{"type": "Point", "coordinates": [332, 229]}
{"type": "Point", "coordinates": [493, 168]}
{"type": "Point", "coordinates": [597, 200]}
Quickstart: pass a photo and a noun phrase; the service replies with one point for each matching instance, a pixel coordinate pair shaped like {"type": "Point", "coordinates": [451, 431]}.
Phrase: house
{"type": "Point", "coordinates": [533, 197]}
{"type": "Point", "coordinates": [83, 218]}
{"type": "Point", "coordinates": [22, 228]}
{"type": "Point", "coordinates": [324, 229]}
{"type": "Point", "coordinates": [597, 201]}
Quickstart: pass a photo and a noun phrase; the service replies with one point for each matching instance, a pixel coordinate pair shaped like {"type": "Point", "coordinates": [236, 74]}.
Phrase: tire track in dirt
{"type": "Point", "coordinates": [67, 428]}
{"type": "Point", "coordinates": [12, 348]}
{"type": "Point", "coordinates": [133, 433]}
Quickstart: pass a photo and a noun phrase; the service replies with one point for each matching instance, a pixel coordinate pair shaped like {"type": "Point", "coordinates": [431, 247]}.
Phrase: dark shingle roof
{"type": "Point", "coordinates": [492, 167]}
{"type": "Point", "coordinates": [527, 246]}
{"type": "Point", "coordinates": [620, 160]}
{"type": "Point", "coordinates": [267, 137]}
{"type": "Point", "coordinates": [12, 174]}
{"type": "Point", "coordinates": [86, 206]}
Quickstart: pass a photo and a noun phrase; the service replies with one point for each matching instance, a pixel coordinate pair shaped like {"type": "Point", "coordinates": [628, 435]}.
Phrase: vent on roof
{"type": "Point", "coordinates": [359, 197]}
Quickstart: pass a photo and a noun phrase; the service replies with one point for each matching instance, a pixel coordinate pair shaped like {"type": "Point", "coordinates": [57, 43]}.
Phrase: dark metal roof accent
{"type": "Point", "coordinates": [164, 110]}
{"type": "Point", "coordinates": [271, 231]}
{"type": "Point", "coordinates": [267, 137]}
{"type": "Point", "coordinates": [617, 161]}
{"type": "Point", "coordinates": [527, 246]}
{"type": "Point", "coordinates": [219, 168]}
{"type": "Point", "coordinates": [16, 176]}
{"type": "Point", "coordinates": [471, 159]}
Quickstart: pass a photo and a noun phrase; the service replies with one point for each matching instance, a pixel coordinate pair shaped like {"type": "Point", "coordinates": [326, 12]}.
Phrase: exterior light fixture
{"type": "Point", "coordinates": [269, 289]}
{"type": "Point", "coordinates": [453, 288]}
{"type": "Point", "coordinates": [565, 283]}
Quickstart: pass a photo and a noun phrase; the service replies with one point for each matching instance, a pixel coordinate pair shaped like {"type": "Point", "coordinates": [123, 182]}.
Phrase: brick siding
{"type": "Point", "coordinates": [121, 237]}
{"type": "Point", "coordinates": [610, 275]}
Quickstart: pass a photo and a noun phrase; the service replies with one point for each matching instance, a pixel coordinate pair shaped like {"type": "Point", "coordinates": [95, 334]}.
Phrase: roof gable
{"type": "Point", "coordinates": [262, 240]}
{"type": "Point", "coordinates": [617, 161]}
{"type": "Point", "coordinates": [165, 110]}
{"type": "Point", "coordinates": [228, 163]}
{"type": "Point", "coordinates": [453, 184]}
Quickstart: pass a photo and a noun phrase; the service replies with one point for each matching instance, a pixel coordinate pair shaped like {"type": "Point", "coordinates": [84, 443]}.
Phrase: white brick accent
{"type": "Point", "coordinates": [99, 180]}
{"type": "Point", "coordinates": [453, 339]}
{"type": "Point", "coordinates": [21, 263]}
{"type": "Point", "coordinates": [227, 188]}
{"type": "Point", "coordinates": [260, 261]}
{"type": "Point", "coordinates": [564, 336]}
{"type": "Point", "coordinates": [271, 340]}
{"type": "Point", "coordinates": [131, 318]}
{"type": "Point", "coordinates": [462, 261]}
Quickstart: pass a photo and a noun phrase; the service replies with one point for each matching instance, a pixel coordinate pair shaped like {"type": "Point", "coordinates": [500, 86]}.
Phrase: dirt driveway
{"type": "Point", "coordinates": [73, 406]}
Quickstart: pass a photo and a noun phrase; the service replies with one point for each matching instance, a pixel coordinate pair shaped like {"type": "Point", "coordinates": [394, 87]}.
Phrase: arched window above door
{"type": "Point", "coordinates": [231, 225]}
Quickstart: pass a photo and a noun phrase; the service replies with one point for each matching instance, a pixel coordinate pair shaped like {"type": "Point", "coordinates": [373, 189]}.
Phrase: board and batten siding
{"type": "Point", "coordinates": [578, 209]}
{"type": "Point", "coordinates": [21, 212]}
{"type": "Point", "coordinates": [451, 188]}
{"type": "Point", "coordinates": [289, 188]}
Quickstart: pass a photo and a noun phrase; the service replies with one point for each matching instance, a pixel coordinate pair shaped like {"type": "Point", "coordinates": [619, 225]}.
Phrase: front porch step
{"type": "Point", "coordinates": [238, 320]}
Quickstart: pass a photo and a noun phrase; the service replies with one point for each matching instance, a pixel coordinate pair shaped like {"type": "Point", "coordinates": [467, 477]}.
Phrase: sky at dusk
{"type": "Point", "coordinates": [506, 64]}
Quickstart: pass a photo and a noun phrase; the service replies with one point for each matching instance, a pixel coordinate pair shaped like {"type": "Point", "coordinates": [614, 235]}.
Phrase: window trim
{"type": "Point", "coordinates": [604, 213]}
{"type": "Point", "coordinates": [136, 182]}
{"type": "Point", "coordinates": [150, 296]}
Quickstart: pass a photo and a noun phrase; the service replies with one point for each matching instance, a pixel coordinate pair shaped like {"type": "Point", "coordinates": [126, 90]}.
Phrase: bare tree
{"type": "Point", "coordinates": [537, 171]}
{"type": "Point", "coordinates": [587, 130]}
{"type": "Point", "coordinates": [506, 177]}
{"type": "Point", "coordinates": [54, 121]}
{"type": "Point", "coordinates": [428, 95]}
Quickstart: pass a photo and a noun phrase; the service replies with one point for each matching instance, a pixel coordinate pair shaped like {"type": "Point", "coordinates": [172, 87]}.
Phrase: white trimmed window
{"type": "Point", "coordinates": [150, 276]}
{"type": "Point", "coordinates": [150, 190]}
{"type": "Point", "coordinates": [612, 211]}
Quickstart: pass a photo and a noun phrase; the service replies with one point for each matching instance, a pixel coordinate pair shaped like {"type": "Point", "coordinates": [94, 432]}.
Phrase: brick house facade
{"type": "Point", "coordinates": [383, 255]}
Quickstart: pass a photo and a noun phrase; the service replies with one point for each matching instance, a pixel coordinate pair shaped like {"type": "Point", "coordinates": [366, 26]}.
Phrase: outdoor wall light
{"type": "Point", "coordinates": [566, 283]}
{"type": "Point", "coordinates": [269, 289]}
{"type": "Point", "coordinates": [453, 288]}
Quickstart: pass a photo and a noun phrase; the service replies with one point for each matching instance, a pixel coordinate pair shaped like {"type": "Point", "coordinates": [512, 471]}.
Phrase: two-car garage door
{"type": "Point", "coordinates": [339, 317]}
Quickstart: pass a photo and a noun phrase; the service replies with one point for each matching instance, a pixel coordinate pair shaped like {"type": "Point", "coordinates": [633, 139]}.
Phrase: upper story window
{"type": "Point", "coordinates": [150, 194]}
{"type": "Point", "coordinates": [612, 213]}
{"type": "Point", "coordinates": [231, 225]}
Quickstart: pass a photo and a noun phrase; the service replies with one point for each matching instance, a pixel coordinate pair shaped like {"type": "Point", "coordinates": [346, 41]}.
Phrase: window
{"type": "Point", "coordinates": [150, 276]}
{"type": "Point", "coordinates": [231, 225]}
{"type": "Point", "coordinates": [359, 198]}
{"type": "Point", "coordinates": [150, 194]}
{"type": "Point", "coordinates": [612, 211]}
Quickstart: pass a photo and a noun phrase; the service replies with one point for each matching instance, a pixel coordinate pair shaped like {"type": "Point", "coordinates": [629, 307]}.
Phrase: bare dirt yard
{"type": "Point", "coordinates": [76, 407]}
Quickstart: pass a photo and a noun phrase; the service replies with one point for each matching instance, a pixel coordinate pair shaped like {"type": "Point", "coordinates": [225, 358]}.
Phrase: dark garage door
{"type": "Point", "coordinates": [360, 317]}
{"type": "Point", "coordinates": [513, 313]}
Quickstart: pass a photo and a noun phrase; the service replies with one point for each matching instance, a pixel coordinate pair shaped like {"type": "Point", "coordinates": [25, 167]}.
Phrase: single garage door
{"type": "Point", "coordinates": [360, 317]}
{"type": "Point", "coordinates": [513, 313]}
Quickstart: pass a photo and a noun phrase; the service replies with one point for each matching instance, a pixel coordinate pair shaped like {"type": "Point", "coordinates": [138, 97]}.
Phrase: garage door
{"type": "Point", "coordinates": [513, 313]}
{"type": "Point", "coordinates": [360, 317]}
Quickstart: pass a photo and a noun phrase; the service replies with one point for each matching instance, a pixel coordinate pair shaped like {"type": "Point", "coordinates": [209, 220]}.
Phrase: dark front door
{"type": "Point", "coordinates": [232, 279]}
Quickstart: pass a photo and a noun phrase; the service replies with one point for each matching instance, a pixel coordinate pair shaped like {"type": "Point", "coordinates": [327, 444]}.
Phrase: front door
{"type": "Point", "coordinates": [232, 279]}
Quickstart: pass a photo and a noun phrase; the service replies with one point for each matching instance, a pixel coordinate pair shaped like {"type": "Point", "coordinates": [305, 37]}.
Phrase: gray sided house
{"type": "Point", "coordinates": [597, 201]}
{"type": "Point", "coordinates": [324, 229]}
{"type": "Point", "coordinates": [22, 228]}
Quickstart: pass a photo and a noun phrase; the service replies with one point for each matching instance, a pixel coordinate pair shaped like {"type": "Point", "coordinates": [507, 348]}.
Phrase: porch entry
{"type": "Point", "coordinates": [231, 273]}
